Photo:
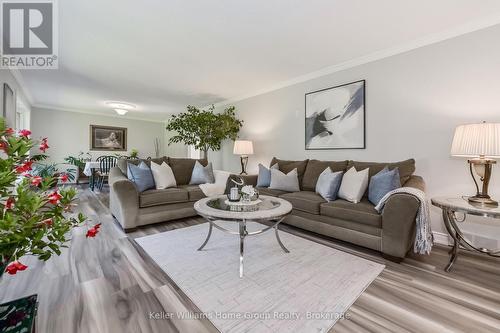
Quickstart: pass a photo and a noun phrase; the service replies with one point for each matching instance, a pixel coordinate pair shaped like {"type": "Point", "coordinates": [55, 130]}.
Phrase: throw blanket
{"type": "Point", "coordinates": [423, 238]}
{"type": "Point", "coordinates": [219, 186]}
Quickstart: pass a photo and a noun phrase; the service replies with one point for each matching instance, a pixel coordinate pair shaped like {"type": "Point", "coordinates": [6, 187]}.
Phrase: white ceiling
{"type": "Point", "coordinates": [163, 55]}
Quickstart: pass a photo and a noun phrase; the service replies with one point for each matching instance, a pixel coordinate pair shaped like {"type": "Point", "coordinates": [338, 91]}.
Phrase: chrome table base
{"type": "Point", "coordinates": [451, 224]}
{"type": "Point", "coordinates": [243, 233]}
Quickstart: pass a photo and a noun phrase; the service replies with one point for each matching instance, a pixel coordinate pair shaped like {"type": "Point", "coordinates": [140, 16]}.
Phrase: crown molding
{"type": "Point", "coordinates": [48, 108]}
{"type": "Point", "coordinates": [378, 55]}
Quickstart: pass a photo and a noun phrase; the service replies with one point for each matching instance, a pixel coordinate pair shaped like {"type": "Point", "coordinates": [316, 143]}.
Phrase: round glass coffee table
{"type": "Point", "coordinates": [268, 209]}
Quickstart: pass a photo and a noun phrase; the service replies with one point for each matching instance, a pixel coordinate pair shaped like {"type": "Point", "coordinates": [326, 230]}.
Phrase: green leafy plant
{"type": "Point", "coordinates": [75, 161]}
{"type": "Point", "coordinates": [50, 170]}
{"type": "Point", "coordinates": [134, 153]}
{"type": "Point", "coordinates": [35, 219]}
{"type": "Point", "coordinates": [204, 129]}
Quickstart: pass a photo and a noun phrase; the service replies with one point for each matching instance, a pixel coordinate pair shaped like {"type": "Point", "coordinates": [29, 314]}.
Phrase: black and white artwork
{"type": "Point", "coordinates": [335, 117]}
{"type": "Point", "coordinates": [108, 138]}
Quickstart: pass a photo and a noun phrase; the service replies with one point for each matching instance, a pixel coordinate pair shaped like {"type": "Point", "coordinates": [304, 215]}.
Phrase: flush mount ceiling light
{"type": "Point", "coordinates": [120, 105]}
{"type": "Point", "coordinates": [121, 112]}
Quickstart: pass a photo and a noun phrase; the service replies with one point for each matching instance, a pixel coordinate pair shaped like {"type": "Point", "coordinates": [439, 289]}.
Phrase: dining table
{"type": "Point", "coordinates": [90, 170]}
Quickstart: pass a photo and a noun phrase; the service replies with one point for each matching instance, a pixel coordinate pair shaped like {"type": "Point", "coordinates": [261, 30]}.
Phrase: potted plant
{"type": "Point", "coordinates": [46, 171]}
{"type": "Point", "coordinates": [35, 218]}
{"type": "Point", "coordinates": [204, 129]}
{"type": "Point", "coordinates": [79, 161]}
{"type": "Point", "coordinates": [134, 153]}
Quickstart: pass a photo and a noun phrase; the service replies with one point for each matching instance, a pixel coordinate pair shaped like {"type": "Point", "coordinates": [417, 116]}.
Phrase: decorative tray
{"type": "Point", "coordinates": [241, 203]}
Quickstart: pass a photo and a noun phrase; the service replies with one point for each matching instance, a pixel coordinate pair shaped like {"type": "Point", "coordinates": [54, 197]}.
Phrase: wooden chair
{"type": "Point", "coordinates": [105, 164]}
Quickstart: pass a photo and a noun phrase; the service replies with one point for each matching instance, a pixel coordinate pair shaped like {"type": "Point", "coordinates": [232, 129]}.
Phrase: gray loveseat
{"type": "Point", "coordinates": [391, 232]}
{"type": "Point", "coordinates": [133, 209]}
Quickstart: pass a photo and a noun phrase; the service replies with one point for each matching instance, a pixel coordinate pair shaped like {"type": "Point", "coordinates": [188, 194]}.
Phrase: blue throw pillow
{"type": "Point", "coordinates": [382, 183]}
{"type": "Point", "coordinates": [141, 176]}
{"type": "Point", "coordinates": [329, 183]}
{"type": "Point", "coordinates": [202, 175]}
{"type": "Point", "coordinates": [264, 177]}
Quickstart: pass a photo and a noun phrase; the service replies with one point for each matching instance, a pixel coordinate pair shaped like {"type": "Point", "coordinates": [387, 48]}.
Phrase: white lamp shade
{"type": "Point", "coordinates": [243, 147]}
{"type": "Point", "coordinates": [474, 140]}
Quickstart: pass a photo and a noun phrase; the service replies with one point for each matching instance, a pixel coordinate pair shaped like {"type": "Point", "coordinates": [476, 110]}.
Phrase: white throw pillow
{"type": "Point", "coordinates": [163, 175]}
{"type": "Point", "coordinates": [354, 185]}
{"type": "Point", "coordinates": [288, 182]}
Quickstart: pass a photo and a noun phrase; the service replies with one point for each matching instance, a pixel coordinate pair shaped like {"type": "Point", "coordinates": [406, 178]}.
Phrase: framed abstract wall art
{"type": "Point", "coordinates": [335, 117]}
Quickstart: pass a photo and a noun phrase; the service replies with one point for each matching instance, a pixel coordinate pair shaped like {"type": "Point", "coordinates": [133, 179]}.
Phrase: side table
{"type": "Point", "coordinates": [452, 205]}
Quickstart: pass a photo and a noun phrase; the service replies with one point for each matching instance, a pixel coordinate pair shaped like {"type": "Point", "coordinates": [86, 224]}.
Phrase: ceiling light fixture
{"type": "Point", "coordinates": [121, 105]}
{"type": "Point", "coordinates": [121, 112]}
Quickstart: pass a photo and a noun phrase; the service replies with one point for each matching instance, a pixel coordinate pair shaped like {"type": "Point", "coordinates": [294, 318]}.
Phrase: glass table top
{"type": "Point", "coordinates": [223, 204]}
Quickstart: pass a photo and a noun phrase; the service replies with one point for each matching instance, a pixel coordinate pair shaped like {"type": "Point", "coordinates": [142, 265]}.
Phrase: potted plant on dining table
{"type": "Point", "coordinates": [35, 217]}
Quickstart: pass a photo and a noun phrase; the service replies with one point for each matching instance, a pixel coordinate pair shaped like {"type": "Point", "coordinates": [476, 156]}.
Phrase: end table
{"type": "Point", "coordinates": [452, 205]}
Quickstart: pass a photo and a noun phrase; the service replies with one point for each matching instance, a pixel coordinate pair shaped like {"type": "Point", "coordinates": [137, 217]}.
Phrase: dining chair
{"type": "Point", "coordinates": [105, 164]}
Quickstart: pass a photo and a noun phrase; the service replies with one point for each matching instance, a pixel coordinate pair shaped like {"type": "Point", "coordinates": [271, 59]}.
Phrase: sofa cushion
{"type": "Point", "coordinates": [315, 168]}
{"type": "Point", "coordinates": [161, 197]}
{"type": "Point", "coordinates": [202, 174]}
{"type": "Point", "coordinates": [121, 163]}
{"type": "Point", "coordinates": [287, 166]}
{"type": "Point", "coordinates": [141, 176]}
{"type": "Point", "coordinates": [305, 201]}
{"type": "Point", "coordinates": [183, 168]}
{"type": "Point", "coordinates": [264, 177]}
{"type": "Point", "coordinates": [362, 212]}
{"type": "Point", "coordinates": [194, 192]}
{"type": "Point", "coordinates": [285, 182]}
{"type": "Point", "coordinates": [270, 191]}
{"type": "Point", "coordinates": [406, 168]}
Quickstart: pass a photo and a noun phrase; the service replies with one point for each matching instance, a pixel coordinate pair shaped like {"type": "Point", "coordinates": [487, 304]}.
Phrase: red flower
{"type": "Point", "coordinates": [48, 222]}
{"type": "Point", "coordinates": [43, 145]}
{"type": "Point", "coordinates": [92, 232]}
{"type": "Point", "coordinates": [64, 177]}
{"type": "Point", "coordinates": [9, 131]}
{"type": "Point", "coordinates": [25, 133]}
{"type": "Point", "coordinates": [36, 180]}
{"type": "Point", "coordinates": [9, 203]}
{"type": "Point", "coordinates": [4, 146]}
{"type": "Point", "coordinates": [54, 198]}
{"type": "Point", "coordinates": [15, 266]}
{"type": "Point", "coordinates": [25, 167]}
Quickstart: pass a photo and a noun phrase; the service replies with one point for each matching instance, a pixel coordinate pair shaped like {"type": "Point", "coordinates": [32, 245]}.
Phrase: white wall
{"type": "Point", "coordinates": [68, 133]}
{"type": "Point", "coordinates": [413, 103]}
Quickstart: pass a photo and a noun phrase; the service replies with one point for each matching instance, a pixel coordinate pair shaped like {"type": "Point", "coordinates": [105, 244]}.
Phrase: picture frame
{"type": "Point", "coordinates": [108, 138]}
{"type": "Point", "coordinates": [9, 102]}
{"type": "Point", "coordinates": [335, 117]}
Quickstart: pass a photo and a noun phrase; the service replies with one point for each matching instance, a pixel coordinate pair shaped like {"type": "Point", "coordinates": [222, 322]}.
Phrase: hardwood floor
{"type": "Point", "coordinates": [108, 284]}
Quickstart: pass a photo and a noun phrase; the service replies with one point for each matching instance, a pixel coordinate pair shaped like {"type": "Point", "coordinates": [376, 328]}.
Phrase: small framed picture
{"type": "Point", "coordinates": [108, 138]}
{"type": "Point", "coordinates": [335, 117]}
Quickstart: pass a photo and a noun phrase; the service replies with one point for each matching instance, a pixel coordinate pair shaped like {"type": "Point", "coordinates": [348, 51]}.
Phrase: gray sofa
{"type": "Point", "coordinates": [133, 209]}
{"type": "Point", "coordinates": [391, 232]}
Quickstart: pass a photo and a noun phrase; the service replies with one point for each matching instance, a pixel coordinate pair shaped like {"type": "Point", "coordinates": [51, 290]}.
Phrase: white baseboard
{"type": "Point", "coordinates": [441, 238]}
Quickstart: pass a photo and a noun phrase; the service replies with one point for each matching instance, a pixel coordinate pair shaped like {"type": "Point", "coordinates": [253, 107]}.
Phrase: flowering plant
{"type": "Point", "coordinates": [35, 217]}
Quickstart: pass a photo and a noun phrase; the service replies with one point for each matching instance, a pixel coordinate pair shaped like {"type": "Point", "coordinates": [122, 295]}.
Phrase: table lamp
{"type": "Point", "coordinates": [243, 148]}
{"type": "Point", "coordinates": [480, 143]}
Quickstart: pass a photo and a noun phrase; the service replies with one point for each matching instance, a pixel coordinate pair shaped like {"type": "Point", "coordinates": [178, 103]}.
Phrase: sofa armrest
{"type": "Point", "coordinates": [415, 182]}
{"type": "Point", "coordinates": [398, 220]}
{"type": "Point", "coordinates": [123, 199]}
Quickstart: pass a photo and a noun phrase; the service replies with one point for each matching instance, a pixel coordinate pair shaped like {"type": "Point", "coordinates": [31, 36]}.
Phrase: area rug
{"type": "Point", "coordinates": [306, 290]}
